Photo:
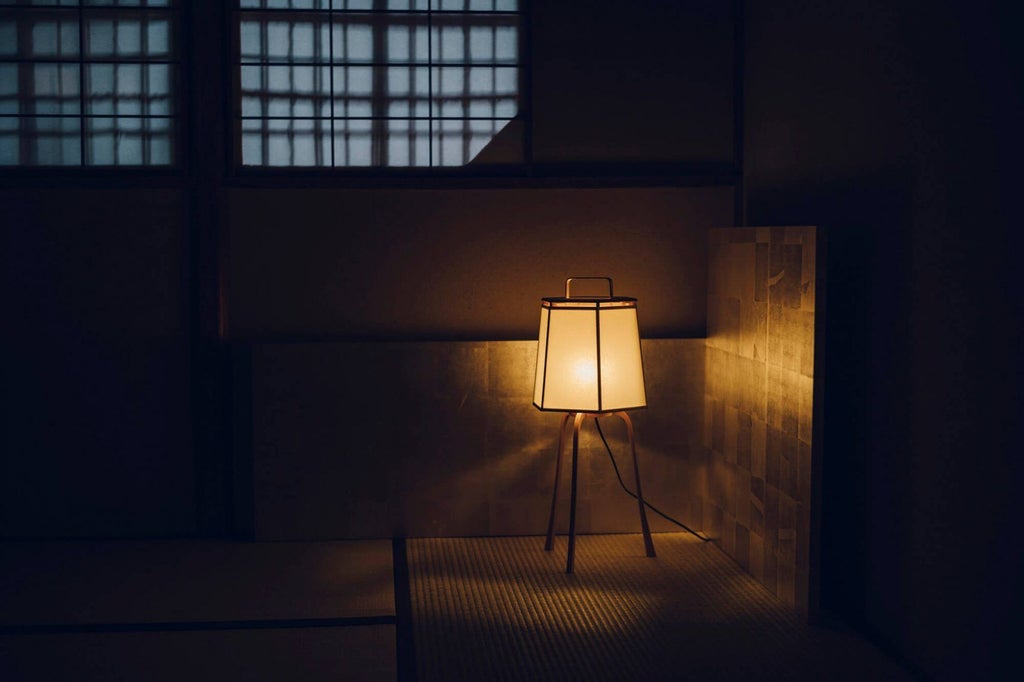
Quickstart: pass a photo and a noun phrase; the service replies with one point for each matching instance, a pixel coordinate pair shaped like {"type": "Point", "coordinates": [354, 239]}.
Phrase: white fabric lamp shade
{"type": "Point", "coordinates": [588, 356]}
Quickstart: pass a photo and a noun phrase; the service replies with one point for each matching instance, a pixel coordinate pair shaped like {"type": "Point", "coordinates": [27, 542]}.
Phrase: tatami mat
{"type": "Point", "coordinates": [87, 582]}
{"type": "Point", "coordinates": [194, 610]}
{"type": "Point", "coordinates": [503, 609]}
{"type": "Point", "coordinates": [322, 654]}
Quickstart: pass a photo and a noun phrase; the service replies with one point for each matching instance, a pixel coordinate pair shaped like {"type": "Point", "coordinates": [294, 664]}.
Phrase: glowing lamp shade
{"type": "Point", "coordinates": [588, 357]}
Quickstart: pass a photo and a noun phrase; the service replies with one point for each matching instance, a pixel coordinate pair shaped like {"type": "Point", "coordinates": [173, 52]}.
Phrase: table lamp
{"type": "Point", "coordinates": [588, 366]}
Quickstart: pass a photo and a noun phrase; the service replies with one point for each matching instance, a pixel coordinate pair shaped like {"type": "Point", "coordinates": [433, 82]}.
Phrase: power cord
{"type": "Point", "coordinates": [647, 504]}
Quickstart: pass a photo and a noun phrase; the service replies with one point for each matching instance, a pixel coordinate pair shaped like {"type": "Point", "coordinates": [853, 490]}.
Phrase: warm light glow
{"type": "Point", "coordinates": [588, 357]}
{"type": "Point", "coordinates": [585, 373]}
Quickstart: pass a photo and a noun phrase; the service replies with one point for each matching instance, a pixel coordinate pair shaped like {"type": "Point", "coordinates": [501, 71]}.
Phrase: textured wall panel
{"type": "Point", "coordinates": [759, 402]}
{"type": "Point", "coordinates": [359, 440]}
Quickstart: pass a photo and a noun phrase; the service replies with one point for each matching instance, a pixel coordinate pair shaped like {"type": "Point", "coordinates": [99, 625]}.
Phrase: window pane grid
{"type": "Point", "coordinates": [389, 6]}
{"type": "Point", "coordinates": [87, 82]}
{"type": "Point", "coordinates": [395, 83]}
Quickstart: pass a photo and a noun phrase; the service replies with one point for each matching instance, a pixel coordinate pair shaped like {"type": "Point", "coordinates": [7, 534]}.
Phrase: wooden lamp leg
{"type": "Point", "coordinates": [550, 544]}
{"type": "Point", "coordinates": [648, 542]}
{"type": "Point", "coordinates": [576, 423]}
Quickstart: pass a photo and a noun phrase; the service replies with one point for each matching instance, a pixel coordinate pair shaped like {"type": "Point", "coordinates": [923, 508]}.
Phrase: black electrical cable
{"type": "Point", "coordinates": [633, 495]}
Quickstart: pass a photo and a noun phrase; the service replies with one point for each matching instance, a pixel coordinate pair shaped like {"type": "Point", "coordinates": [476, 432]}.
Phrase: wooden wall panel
{"type": "Point", "coordinates": [759, 402]}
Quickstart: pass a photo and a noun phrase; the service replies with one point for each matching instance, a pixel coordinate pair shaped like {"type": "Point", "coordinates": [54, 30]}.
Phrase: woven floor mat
{"type": "Point", "coordinates": [503, 609]}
